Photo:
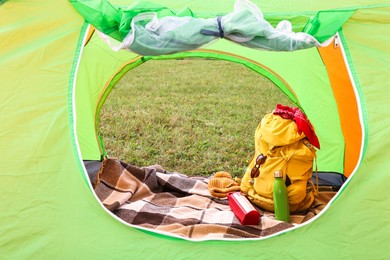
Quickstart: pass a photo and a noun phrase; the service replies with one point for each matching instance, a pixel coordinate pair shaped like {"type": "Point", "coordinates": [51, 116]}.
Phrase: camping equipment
{"type": "Point", "coordinates": [282, 210]}
{"type": "Point", "coordinates": [281, 146]}
{"type": "Point", "coordinates": [246, 213]}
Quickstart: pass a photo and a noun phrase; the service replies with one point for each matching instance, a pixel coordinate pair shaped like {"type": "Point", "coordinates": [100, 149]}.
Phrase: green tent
{"type": "Point", "coordinates": [56, 71]}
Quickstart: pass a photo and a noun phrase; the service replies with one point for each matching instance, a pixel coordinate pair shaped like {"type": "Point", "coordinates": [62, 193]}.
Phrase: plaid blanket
{"type": "Point", "coordinates": [172, 202]}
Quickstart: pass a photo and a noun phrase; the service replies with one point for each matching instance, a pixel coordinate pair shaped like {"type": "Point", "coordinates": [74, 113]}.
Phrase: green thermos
{"type": "Point", "coordinates": [281, 207]}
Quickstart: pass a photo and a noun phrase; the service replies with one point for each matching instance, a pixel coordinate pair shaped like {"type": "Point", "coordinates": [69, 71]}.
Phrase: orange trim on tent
{"type": "Point", "coordinates": [90, 32]}
{"type": "Point", "coordinates": [257, 64]}
{"type": "Point", "coordinates": [346, 102]}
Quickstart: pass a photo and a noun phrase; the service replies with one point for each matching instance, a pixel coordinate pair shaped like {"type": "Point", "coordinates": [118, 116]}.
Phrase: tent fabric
{"type": "Point", "coordinates": [48, 209]}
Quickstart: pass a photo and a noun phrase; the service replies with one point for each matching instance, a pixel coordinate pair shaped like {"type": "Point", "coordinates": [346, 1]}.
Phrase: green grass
{"type": "Point", "coordinates": [196, 117]}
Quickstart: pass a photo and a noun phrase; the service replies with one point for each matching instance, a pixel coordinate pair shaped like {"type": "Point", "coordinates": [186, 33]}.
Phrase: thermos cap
{"type": "Point", "coordinates": [278, 174]}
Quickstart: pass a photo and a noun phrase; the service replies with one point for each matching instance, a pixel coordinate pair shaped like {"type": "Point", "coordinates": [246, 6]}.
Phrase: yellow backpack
{"type": "Point", "coordinates": [281, 145]}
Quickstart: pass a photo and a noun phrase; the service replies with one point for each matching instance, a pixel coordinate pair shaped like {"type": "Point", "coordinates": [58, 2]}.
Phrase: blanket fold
{"type": "Point", "coordinates": [172, 202]}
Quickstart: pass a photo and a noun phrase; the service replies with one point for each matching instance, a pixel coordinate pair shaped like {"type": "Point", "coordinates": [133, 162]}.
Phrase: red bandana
{"type": "Point", "coordinates": [301, 120]}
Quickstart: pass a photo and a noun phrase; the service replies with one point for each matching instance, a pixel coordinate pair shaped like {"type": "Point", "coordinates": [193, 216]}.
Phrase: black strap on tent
{"type": "Point", "coordinates": [220, 32]}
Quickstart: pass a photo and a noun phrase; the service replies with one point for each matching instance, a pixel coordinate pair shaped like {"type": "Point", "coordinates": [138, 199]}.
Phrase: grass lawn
{"type": "Point", "coordinates": [192, 116]}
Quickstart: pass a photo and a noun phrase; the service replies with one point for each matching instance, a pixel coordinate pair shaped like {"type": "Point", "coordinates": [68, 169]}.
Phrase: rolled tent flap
{"type": "Point", "coordinates": [150, 29]}
{"type": "Point", "coordinates": [113, 21]}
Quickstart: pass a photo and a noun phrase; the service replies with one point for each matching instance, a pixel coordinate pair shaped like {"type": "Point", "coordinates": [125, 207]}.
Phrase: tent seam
{"type": "Point", "coordinates": [72, 104]}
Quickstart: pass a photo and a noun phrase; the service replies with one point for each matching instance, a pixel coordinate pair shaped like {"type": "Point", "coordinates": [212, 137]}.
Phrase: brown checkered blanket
{"type": "Point", "coordinates": [174, 203]}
